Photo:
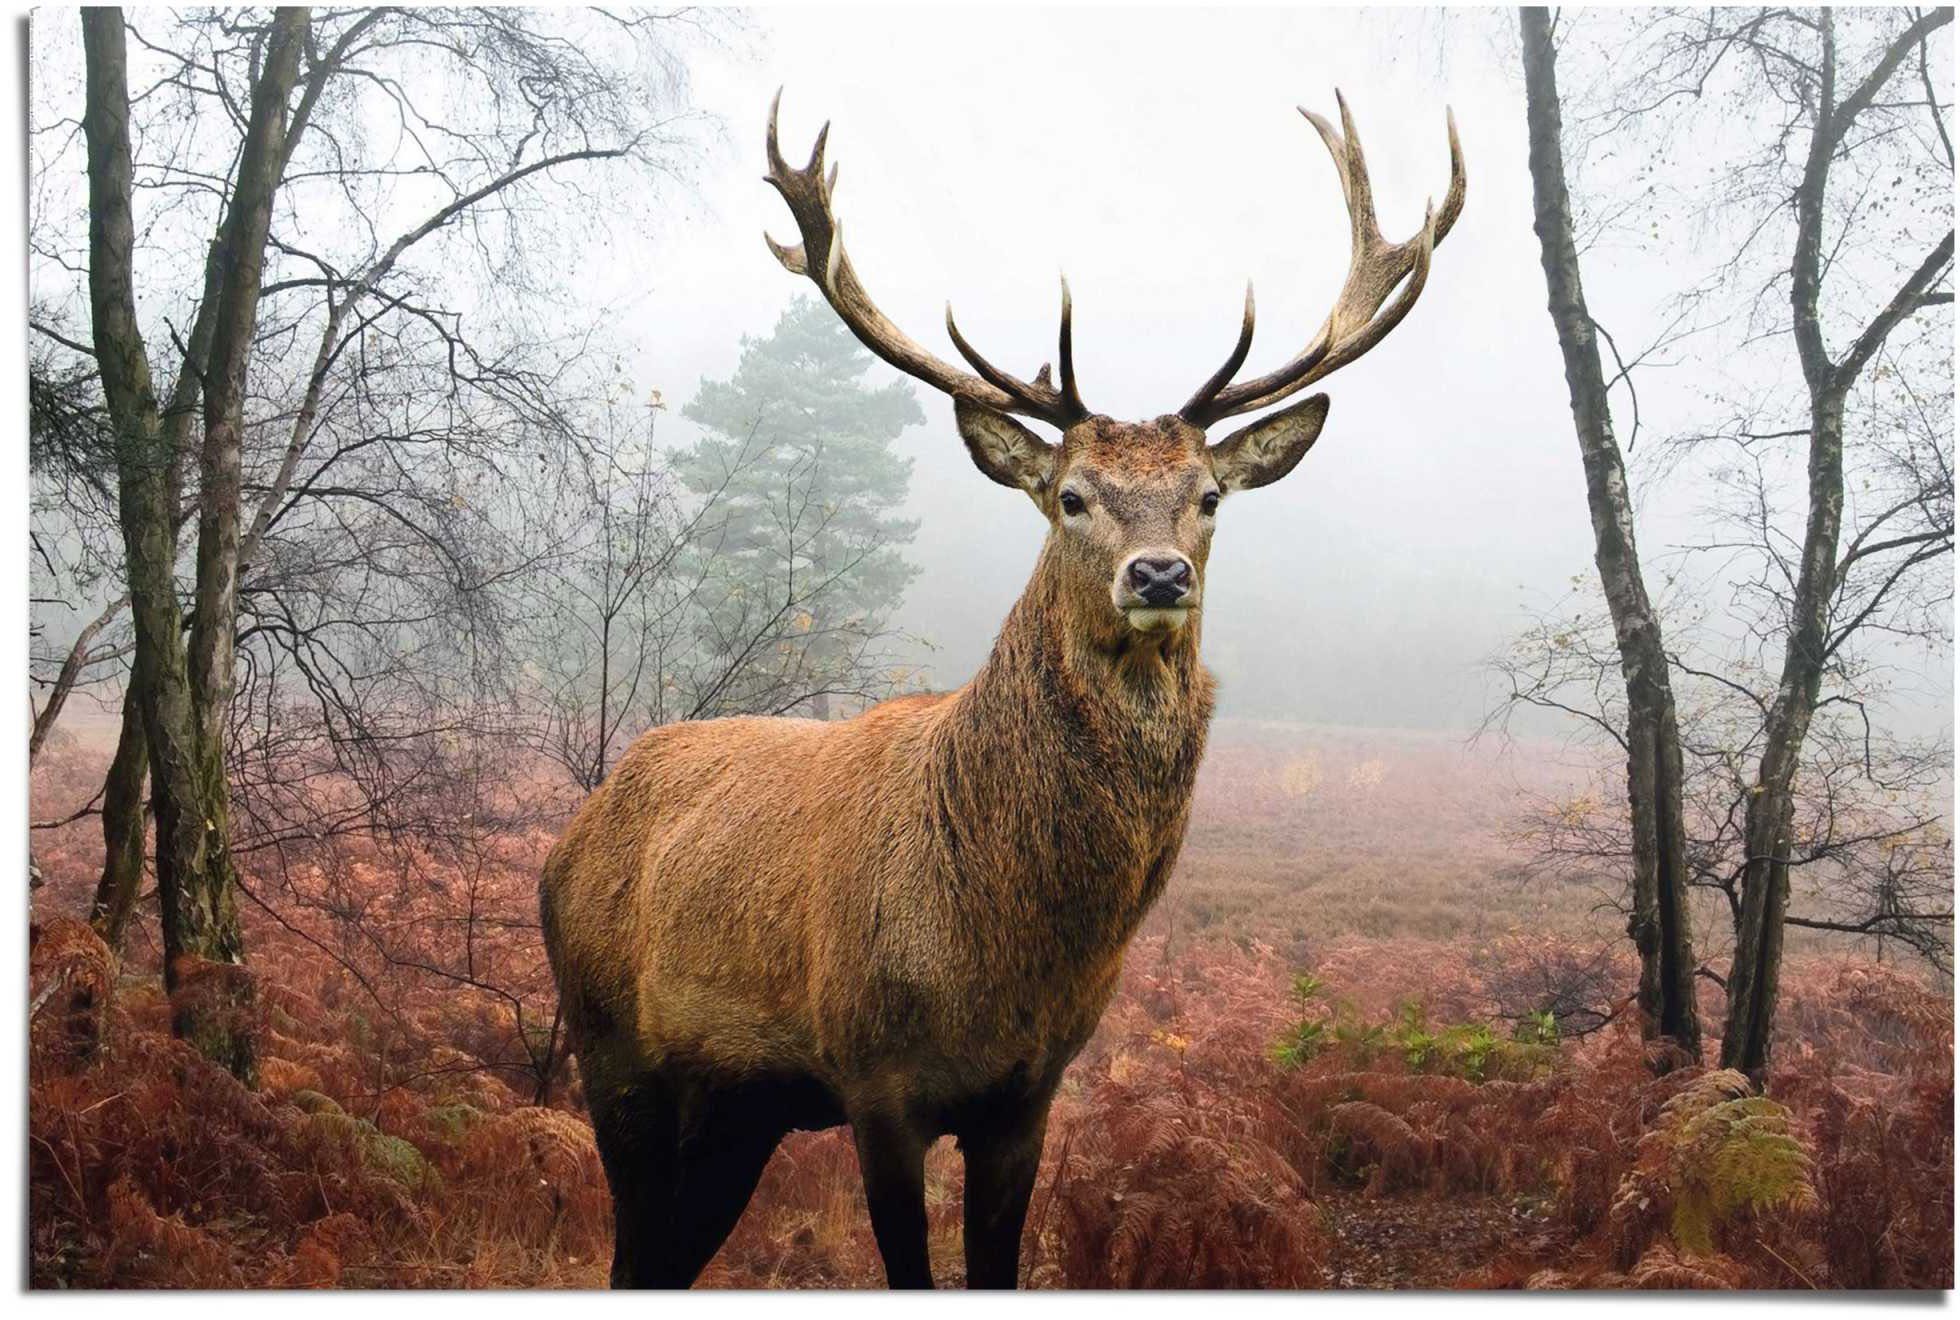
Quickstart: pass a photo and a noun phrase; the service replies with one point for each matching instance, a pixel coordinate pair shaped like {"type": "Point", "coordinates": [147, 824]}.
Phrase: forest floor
{"type": "Point", "coordinates": [1415, 1241]}
{"type": "Point", "coordinates": [1321, 1070]}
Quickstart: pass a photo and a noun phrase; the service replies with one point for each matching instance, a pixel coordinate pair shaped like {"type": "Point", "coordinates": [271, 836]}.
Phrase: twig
{"type": "Point", "coordinates": [1048, 1206]}
{"type": "Point", "coordinates": [1787, 1265]}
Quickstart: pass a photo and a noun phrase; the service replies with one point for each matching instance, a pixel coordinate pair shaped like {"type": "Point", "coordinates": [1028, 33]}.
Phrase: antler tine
{"type": "Point", "coordinates": [1352, 166]}
{"type": "Point", "coordinates": [1375, 267]}
{"type": "Point", "coordinates": [815, 167]}
{"type": "Point", "coordinates": [1373, 328]}
{"type": "Point", "coordinates": [1071, 396]}
{"type": "Point", "coordinates": [1459, 182]}
{"type": "Point", "coordinates": [822, 259]}
{"type": "Point", "coordinates": [1223, 376]}
{"type": "Point", "coordinates": [772, 145]}
{"type": "Point", "coordinates": [992, 374]}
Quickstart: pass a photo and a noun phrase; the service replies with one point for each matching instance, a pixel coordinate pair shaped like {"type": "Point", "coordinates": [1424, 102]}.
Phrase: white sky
{"type": "Point", "coordinates": [1156, 156]}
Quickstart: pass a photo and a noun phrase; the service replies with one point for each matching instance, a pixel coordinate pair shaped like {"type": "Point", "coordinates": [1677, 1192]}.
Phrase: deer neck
{"type": "Point", "coordinates": [1066, 768]}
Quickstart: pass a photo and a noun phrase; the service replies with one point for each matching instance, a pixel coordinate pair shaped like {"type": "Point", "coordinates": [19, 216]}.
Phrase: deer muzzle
{"type": "Point", "coordinates": [1156, 590]}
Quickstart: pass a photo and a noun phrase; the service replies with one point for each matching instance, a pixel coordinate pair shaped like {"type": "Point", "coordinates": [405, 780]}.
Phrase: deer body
{"type": "Point", "coordinates": [896, 902]}
{"type": "Point", "coordinates": [911, 921]}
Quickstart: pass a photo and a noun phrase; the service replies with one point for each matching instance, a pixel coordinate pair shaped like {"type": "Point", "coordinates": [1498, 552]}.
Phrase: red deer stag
{"type": "Point", "coordinates": [910, 921]}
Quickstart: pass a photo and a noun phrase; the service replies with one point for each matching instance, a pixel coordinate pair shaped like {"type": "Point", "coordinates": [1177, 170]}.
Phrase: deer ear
{"type": "Point", "coordinates": [1270, 448]}
{"type": "Point", "coordinates": [1004, 449]}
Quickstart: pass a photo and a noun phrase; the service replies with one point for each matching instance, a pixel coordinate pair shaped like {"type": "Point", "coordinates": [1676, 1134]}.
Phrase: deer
{"type": "Point", "coordinates": [910, 921]}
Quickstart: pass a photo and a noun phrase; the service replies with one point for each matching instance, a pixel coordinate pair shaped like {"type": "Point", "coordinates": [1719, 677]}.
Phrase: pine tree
{"type": "Point", "coordinates": [803, 567]}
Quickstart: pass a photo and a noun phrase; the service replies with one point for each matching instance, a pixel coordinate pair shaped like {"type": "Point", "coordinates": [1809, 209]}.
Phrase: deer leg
{"type": "Point", "coordinates": [1003, 1151]}
{"type": "Point", "coordinates": [726, 1140]}
{"type": "Point", "coordinates": [634, 1125]}
{"type": "Point", "coordinates": [892, 1154]}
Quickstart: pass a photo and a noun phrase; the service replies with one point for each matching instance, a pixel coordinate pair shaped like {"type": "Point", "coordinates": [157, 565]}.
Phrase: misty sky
{"type": "Point", "coordinates": [1156, 156]}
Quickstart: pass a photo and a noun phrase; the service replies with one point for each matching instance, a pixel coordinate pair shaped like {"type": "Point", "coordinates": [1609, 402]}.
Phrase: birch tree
{"type": "Point", "coordinates": [264, 127]}
{"type": "Point", "coordinates": [1840, 99]}
{"type": "Point", "coordinates": [1661, 921]}
{"type": "Point", "coordinates": [181, 694]}
{"type": "Point", "coordinates": [1816, 249]}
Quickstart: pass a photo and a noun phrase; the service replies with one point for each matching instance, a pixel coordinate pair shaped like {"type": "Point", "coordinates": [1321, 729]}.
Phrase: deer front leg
{"type": "Point", "coordinates": [1002, 1155]}
{"type": "Point", "coordinates": [892, 1155]}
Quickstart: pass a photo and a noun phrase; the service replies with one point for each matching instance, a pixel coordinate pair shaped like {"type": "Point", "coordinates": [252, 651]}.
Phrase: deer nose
{"type": "Point", "coordinates": [1160, 582]}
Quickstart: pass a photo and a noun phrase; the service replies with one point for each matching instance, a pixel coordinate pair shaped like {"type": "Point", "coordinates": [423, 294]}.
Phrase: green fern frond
{"type": "Point", "coordinates": [1724, 1150]}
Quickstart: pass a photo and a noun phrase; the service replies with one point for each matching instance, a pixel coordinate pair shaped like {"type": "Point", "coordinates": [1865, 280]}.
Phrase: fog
{"type": "Point", "coordinates": [1156, 156]}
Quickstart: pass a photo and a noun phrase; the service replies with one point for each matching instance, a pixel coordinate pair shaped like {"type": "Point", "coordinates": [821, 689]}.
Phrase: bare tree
{"type": "Point", "coordinates": [635, 621]}
{"type": "Point", "coordinates": [1872, 855]}
{"type": "Point", "coordinates": [1833, 111]}
{"type": "Point", "coordinates": [1827, 210]}
{"type": "Point", "coordinates": [183, 700]}
{"type": "Point", "coordinates": [614, 611]}
{"type": "Point", "coordinates": [1661, 923]}
{"type": "Point", "coordinates": [250, 122]}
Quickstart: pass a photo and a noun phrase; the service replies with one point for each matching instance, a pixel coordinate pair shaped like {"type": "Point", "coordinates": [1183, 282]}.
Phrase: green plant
{"type": "Point", "coordinates": [1721, 1150]}
{"type": "Point", "coordinates": [1306, 1038]}
{"type": "Point", "coordinates": [1362, 1041]}
{"type": "Point", "coordinates": [1412, 1036]}
{"type": "Point", "coordinates": [1537, 1028]}
{"type": "Point", "coordinates": [1300, 1042]}
{"type": "Point", "coordinates": [1468, 1050]}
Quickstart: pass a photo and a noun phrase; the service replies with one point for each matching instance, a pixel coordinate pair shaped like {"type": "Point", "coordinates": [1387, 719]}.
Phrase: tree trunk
{"type": "Point", "coordinates": [70, 674]}
{"type": "Point", "coordinates": [1753, 979]}
{"type": "Point", "coordinates": [123, 827]}
{"type": "Point", "coordinates": [247, 221]}
{"type": "Point", "coordinates": [1661, 924]}
{"type": "Point", "coordinates": [1757, 967]}
{"type": "Point", "coordinates": [184, 694]}
{"type": "Point", "coordinates": [1754, 976]}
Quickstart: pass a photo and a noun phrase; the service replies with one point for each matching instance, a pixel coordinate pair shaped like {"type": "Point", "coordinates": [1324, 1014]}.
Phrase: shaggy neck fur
{"type": "Point", "coordinates": [1061, 780]}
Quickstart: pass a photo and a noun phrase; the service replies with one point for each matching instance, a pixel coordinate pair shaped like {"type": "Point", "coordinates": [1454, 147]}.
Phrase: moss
{"type": "Point", "coordinates": [397, 1159]}
{"type": "Point", "coordinates": [391, 1157]}
{"type": "Point", "coordinates": [312, 1102]}
{"type": "Point", "coordinates": [223, 1044]}
{"type": "Point", "coordinates": [452, 1122]}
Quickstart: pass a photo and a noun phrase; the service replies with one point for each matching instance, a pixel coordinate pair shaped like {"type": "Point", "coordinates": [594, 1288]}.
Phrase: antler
{"type": "Point", "coordinates": [1375, 267]}
{"type": "Point", "coordinates": [821, 257]}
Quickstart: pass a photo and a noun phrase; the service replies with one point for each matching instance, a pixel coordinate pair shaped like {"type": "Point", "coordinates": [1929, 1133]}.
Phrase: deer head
{"type": "Point", "coordinates": [1131, 505]}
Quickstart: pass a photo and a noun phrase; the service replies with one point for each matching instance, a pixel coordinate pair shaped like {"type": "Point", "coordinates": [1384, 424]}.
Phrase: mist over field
{"type": "Point", "coordinates": [1507, 844]}
{"type": "Point", "coordinates": [982, 153]}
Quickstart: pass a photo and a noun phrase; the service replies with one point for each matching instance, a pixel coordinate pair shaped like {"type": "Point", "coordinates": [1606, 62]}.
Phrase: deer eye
{"type": "Point", "coordinates": [1071, 503]}
{"type": "Point", "coordinates": [1209, 504]}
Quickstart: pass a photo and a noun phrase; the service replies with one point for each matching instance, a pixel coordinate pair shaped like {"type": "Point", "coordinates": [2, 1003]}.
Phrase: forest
{"type": "Point", "coordinates": [365, 541]}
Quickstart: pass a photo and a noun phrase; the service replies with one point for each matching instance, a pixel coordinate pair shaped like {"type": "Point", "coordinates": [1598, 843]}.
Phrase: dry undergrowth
{"type": "Point", "coordinates": [1390, 1112]}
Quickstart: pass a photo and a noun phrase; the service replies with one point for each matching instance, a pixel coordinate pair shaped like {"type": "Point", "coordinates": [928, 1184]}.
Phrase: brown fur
{"type": "Point", "coordinates": [912, 920]}
{"type": "Point", "coordinates": [917, 915]}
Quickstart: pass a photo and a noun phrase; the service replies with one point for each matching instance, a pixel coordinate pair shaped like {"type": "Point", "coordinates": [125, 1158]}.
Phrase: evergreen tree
{"type": "Point", "coordinates": [803, 567]}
